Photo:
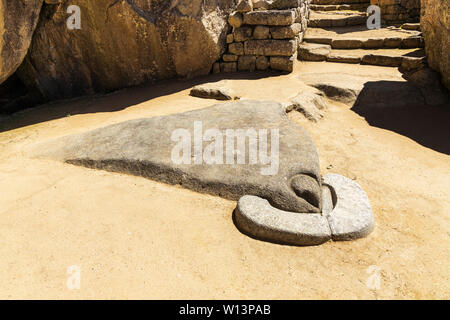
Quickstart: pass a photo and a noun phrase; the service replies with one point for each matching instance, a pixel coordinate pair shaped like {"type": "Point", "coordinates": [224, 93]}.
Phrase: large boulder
{"type": "Point", "coordinates": [267, 155]}
{"type": "Point", "coordinates": [124, 43]}
{"type": "Point", "coordinates": [435, 25]}
{"type": "Point", "coordinates": [18, 20]}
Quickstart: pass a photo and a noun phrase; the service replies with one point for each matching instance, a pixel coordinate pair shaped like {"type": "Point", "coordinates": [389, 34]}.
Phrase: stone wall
{"type": "Point", "coordinates": [435, 25]}
{"type": "Point", "coordinates": [264, 35]}
{"type": "Point", "coordinates": [398, 11]}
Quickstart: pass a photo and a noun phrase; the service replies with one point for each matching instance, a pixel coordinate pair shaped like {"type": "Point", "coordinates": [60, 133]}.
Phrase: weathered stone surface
{"type": "Point", "coordinates": [352, 216]}
{"type": "Point", "coordinates": [342, 58]}
{"type": "Point", "coordinates": [242, 34]}
{"type": "Point", "coordinates": [216, 91]}
{"type": "Point", "coordinates": [288, 32]}
{"type": "Point", "coordinates": [346, 43]}
{"type": "Point", "coordinates": [245, 6]}
{"type": "Point", "coordinates": [270, 47]}
{"type": "Point", "coordinates": [261, 33]}
{"type": "Point", "coordinates": [285, 4]}
{"type": "Point", "coordinates": [392, 42]}
{"type": "Point", "coordinates": [373, 43]}
{"type": "Point", "coordinates": [320, 40]}
{"type": "Point", "coordinates": [228, 66]}
{"type": "Point", "coordinates": [323, 20]}
{"type": "Point", "coordinates": [270, 17]}
{"type": "Point", "coordinates": [256, 217]}
{"type": "Point", "coordinates": [282, 63]}
{"type": "Point", "coordinates": [216, 67]}
{"type": "Point", "coordinates": [309, 104]}
{"type": "Point", "coordinates": [411, 26]}
{"type": "Point", "coordinates": [247, 63]}
{"type": "Point", "coordinates": [236, 48]}
{"type": "Point", "coordinates": [262, 63]}
{"type": "Point", "coordinates": [124, 43]}
{"type": "Point", "coordinates": [435, 26]}
{"type": "Point", "coordinates": [143, 147]}
{"type": "Point", "coordinates": [230, 57]}
{"type": "Point", "coordinates": [262, 4]}
{"type": "Point", "coordinates": [313, 51]}
{"type": "Point", "coordinates": [382, 60]}
{"type": "Point", "coordinates": [236, 19]}
{"type": "Point", "coordinates": [18, 20]}
{"type": "Point", "coordinates": [428, 83]}
{"type": "Point", "coordinates": [412, 63]}
{"type": "Point", "coordinates": [230, 38]}
{"type": "Point", "coordinates": [412, 42]}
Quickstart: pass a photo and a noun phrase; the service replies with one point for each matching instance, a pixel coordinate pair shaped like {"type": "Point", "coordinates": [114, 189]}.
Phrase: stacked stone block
{"type": "Point", "coordinates": [264, 35]}
{"type": "Point", "coordinates": [395, 12]}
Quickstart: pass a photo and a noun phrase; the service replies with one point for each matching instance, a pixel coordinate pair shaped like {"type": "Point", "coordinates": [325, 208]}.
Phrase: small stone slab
{"type": "Point", "coordinates": [347, 43]}
{"type": "Point", "coordinates": [282, 63]}
{"type": "Point", "coordinates": [412, 42]}
{"type": "Point", "coordinates": [245, 6]}
{"type": "Point", "coordinates": [314, 51]}
{"type": "Point", "coordinates": [284, 4]}
{"type": "Point", "coordinates": [336, 57]}
{"type": "Point", "coordinates": [256, 217]}
{"type": "Point", "coordinates": [308, 104]}
{"type": "Point", "coordinates": [236, 19]}
{"type": "Point", "coordinates": [412, 63]}
{"type": "Point", "coordinates": [270, 47]}
{"type": "Point", "coordinates": [373, 43]}
{"type": "Point", "coordinates": [352, 216]}
{"type": "Point", "coordinates": [411, 26]}
{"type": "Point", "coordinates": [287, 32]}
{"type": "Point", "coordinates": [382, 60]}
{"type": "Point", "coordinates": [213, 91]}
{"type": "Point", "coordinates": [270, 17]}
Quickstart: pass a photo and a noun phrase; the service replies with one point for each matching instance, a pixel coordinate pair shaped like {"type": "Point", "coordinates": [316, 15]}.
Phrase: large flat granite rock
{"type": "Point", "coordinates": [144, 147]}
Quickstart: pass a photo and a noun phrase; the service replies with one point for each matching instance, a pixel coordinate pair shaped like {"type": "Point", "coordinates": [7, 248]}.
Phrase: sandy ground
{"type": "Point", "coordinates": [136, 238]}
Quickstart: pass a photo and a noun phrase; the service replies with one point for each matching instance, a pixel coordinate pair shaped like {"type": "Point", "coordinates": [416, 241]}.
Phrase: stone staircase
{"type": "Point", "coordinates": [337, 32]}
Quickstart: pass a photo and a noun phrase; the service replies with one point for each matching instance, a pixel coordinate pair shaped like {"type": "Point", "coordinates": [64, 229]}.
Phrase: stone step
{"type": "Point", "coordinates": [360, 37]}
{"type": "Point", "coordinates": [408, 59]}
{"type": "Point", "coordinates": [336, 2]}
{"type": "Point", "coordinates": [411, 26]}
{"type": "Point", "coordinates": [336, 19]}
{"type": "Point", "coordinates": [339, 7]}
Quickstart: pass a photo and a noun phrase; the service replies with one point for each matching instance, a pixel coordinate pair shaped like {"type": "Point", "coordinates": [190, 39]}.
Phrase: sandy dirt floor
{"type": "Point", "coordinates": [138, 239]}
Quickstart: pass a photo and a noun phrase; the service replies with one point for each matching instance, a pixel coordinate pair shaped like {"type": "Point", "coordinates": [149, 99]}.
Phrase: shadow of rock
{"type": "Point", "coordinates": [122, 99]}
{"type": "Point", "coordinates": [405, 108]}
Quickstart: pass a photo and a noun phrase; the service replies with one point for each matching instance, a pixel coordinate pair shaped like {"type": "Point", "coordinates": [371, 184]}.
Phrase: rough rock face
{"type": "Point", "coordinates": [123, 43]}
{"type": "Point", "coordinates": [435, 25]}
{"type": "Point", "coordinates": [18, 19]}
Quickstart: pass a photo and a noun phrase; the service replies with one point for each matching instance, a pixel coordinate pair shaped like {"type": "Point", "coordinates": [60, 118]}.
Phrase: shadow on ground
{"type": "Point", "coordinates": [403, 108]}
{"type": "Point", "coordinates": [135, 95]}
